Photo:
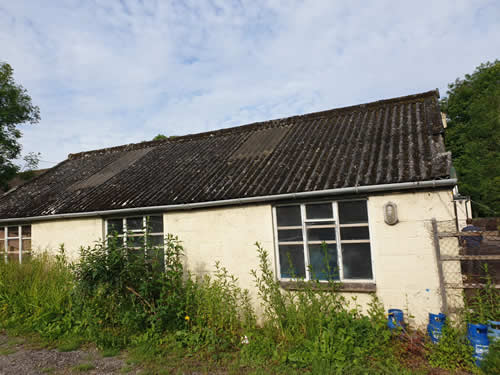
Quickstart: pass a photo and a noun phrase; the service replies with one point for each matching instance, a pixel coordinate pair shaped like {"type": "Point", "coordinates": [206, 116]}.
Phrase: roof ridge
{"type": "Point", "coordinates": [284, 121]}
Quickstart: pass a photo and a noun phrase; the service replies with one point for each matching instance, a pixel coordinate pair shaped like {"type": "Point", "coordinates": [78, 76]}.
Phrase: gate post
{"type": "Point", "coordinates": [439, 263]}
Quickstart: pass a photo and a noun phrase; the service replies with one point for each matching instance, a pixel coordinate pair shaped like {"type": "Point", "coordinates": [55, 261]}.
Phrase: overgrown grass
{"type": "Point", "coordinates": [119, 298]}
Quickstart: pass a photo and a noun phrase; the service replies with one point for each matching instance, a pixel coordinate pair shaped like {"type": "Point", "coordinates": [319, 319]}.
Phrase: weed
{"type": "Point", "coordinates": [69, 344]}
{"type": "Point", "coordinates": [83, 367]}
{"type": "Point", "coordinates": [110, 352]}
{"type": "Point", "coordinates": [453, 351]}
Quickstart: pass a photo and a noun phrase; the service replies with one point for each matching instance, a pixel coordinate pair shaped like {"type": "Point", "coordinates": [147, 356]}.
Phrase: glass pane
{"type": "Point", "coordinates": [288, 216]}
{"type": "Point", "coordinates": [134, 223]}
{"type": "Point", "coordinates": [2, 232]}
{"type": "Point", "coordinates": [292, 261]}
{"type": "Point", "coordinates": [26, 231]}
{"type": "Point", "coordinates": [13, 231]}
{"type": "Point", "coordinates": [320, 234]}
{"type": "Point", "coordinates": [323, 261]}
{"type": "Point", "coordinates": [155, 224]}
{"type": "Point", "coordinates": [26, 245]}
{"type": "Point", "coordinates": [13, 245]}
{"type": "Point", "coordinates": [356, 260]}
{"type": "Point", "coordinates": [353, 212]}
{"type": "Point", "coordinates": [354, 233]}
{"type": "Point", "coordinates": [2, 246]}
{"type": "Point", "coordinates": [115, 226]}
{"type": "Point", "coordinates": [319, 211]}
{"type": "Point", "coordinates": [135, 241]}
{"type": "Point", "coordinates": [155, 240]}
{"type": "Point", "coordinates": [285, 235]}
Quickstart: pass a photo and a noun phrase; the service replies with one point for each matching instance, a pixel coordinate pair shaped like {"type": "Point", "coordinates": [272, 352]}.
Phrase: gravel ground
{"type": "Point", "coordinates": [18, 357]}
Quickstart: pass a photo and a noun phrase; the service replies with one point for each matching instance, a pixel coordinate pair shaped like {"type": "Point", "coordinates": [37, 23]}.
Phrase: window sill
{"type": "Point", "coordinates": [343, 287]}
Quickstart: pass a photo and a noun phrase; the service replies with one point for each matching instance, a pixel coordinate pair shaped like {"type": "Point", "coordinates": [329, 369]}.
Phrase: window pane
{"type": "Point", "coordinates": [292, 261]}
{"type": "Point", "coordinates": [134, 223]}
{"type": "Point", "coordinates": [135, 241]}
{"type": "Point", "coordinates": [323, 261]}
{"type": "Point", "coordinates": [13, 245]}
{"type": "Point", "coordinates": [319, 211]}
{"type": "Point", "coordinates": [2, 246]}
{"type": "Point", "coordinates": [115, 226]}
{"type": "Point", "coordinates": [2, 232]}
{"type": "Point", "coordinates": [354, 233]}
{"type": "Point", "coordinates": [155, 224]}
{"type": "Point", "coordinates": [356, 260]}
{"type": "Point", "coordinates": [26, 245]}
{"type": "Point", "coordinates": [353, 212]}
{"type": "Point", "coordinates": [320, 234]}
{"type": "Point", "coordinates": [288, 216]}
{"type": "Point", "coordinates": [13, 231]}
{"type": "Point", "coordinates": [285, 235]}
{"type": "Point", "coordinates": [26, 231]}
{"type": "Point", "coordinates": [155, 240]}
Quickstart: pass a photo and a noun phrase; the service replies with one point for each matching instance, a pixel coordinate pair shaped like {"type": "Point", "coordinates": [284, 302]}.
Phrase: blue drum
{"type": "Point", "coordinates": [395, 319]}
{"type": "Point", "coordinates": [478, 338]}
{"type": "Point", "coordinates": [435, 326]}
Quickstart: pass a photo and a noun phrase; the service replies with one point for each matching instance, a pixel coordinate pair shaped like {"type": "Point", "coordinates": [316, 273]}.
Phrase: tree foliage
{"type": "Point", "coordinates": [472, 109]}
{"type": "Point", "coordinates": [16, 108]}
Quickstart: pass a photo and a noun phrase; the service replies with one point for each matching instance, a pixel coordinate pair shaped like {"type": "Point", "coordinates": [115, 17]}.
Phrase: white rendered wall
{"type": "Point", "coordinates": [72, 233]}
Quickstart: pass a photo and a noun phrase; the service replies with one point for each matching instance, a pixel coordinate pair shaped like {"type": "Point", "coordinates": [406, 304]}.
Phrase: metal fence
{"type": "Point", "coordinates": [465, 260]}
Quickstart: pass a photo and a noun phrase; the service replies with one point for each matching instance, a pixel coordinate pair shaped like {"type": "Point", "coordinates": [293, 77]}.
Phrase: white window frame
{"type": "Point", "coordinates": [338, 239]}
{"type": "Point", "coordinates": [142, 231]}
{"type": "Point", "coordinates": [19, 237]}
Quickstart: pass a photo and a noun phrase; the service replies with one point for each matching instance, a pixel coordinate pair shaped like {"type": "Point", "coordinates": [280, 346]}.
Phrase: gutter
{"type": "Point", "coordinates": [239, 201]}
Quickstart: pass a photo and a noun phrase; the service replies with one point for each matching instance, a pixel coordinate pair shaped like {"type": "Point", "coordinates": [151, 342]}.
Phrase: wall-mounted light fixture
{"type": "Point", "coordinates": [390, 213]}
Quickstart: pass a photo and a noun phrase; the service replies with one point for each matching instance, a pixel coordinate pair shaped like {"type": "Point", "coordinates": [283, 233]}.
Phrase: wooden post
{"type": "Point", "coordinates": [437, 249]}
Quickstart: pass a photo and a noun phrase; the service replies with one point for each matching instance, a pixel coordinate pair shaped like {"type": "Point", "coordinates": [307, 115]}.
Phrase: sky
{"type": "Point", "coordinates": [106, 73]}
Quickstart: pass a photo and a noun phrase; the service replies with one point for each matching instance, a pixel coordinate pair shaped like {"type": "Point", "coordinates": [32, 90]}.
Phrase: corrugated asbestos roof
{"type": "Point", "coordinates": [389, 141]}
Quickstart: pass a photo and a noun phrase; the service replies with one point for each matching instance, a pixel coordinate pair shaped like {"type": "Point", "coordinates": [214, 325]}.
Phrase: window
{"type": "Point", "coordinates": [327, 240]}
{"type": "Point", "coordinates": [139, 232]}
{"type": "Point", "coordinates": [15, 242]}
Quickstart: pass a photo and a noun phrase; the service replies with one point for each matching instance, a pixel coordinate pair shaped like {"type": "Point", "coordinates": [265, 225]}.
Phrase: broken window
{"type": "Point", "coordinates": [324, 241]}
{"type": "Point", "coordinates": [15, 242]}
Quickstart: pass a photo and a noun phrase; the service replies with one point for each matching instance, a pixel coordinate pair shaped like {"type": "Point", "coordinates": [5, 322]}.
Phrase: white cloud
{"type": "Point", "coordinates": [111, 72]}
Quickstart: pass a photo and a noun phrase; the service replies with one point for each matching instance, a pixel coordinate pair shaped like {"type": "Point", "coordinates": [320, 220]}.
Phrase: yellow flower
{"type": "Point", "coordinates": [186, 318]}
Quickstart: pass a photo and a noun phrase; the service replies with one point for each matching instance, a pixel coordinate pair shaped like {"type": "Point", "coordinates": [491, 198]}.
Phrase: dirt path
{"type": "Point", "coordinates": [19, 357]}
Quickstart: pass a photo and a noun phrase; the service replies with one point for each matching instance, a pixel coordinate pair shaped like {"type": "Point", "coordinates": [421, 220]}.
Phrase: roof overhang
{"type": "Point", "coordinates": [432, 184]}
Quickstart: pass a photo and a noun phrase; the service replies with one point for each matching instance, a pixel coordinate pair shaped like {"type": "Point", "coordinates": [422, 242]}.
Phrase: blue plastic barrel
{"type": "Point", "coordinates": [395, 318]}
{"type": "Point", "coordinates": [493, 330]}
{"type": "Point", "coordinates": [478, 337]}
{"type": "Point", "coordinates": [435, 326]}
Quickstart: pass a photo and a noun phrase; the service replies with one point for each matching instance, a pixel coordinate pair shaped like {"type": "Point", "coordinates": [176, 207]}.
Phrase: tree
{"type": "Point", "coordinates": [472, 109]}
{"type": "Point", "coordinates": [16, 108]}
{"type": "Point", "coordinates": [161, 137]}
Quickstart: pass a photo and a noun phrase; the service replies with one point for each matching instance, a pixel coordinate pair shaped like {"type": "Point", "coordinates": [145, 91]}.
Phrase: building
{"type": "Point", "coordinates": [366, 180]}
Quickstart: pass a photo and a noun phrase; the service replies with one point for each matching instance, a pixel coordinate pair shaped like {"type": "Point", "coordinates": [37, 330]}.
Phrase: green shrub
{"type": "Point", "coordinates": [122, 292]}
{"type": "Point", "coordinates": [318, 326]}
{"type": "Point", "coordinates": [453, 351]}
{"type": "Point", "coordinates": [491, 362]}
{"type": "Point", "coordinates": [218, 311]}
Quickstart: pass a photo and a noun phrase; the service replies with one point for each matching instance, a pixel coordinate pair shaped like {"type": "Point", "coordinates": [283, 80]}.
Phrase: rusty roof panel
{"type": "Point", "coordinates": [389, 141]}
